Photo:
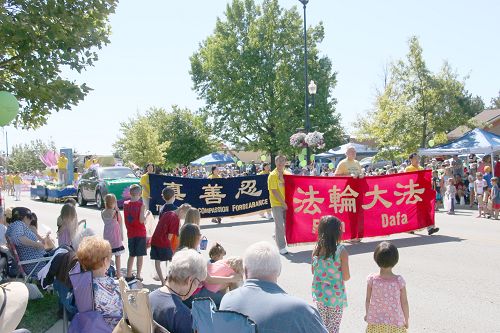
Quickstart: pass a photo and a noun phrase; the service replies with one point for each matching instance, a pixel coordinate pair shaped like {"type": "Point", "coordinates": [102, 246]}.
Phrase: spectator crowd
{"type": "Point", "coordinates": [246, 283]}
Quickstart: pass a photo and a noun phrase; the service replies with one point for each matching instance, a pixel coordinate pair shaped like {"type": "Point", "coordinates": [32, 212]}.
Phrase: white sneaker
{"type": "Point", "coordinates": [283, 251]}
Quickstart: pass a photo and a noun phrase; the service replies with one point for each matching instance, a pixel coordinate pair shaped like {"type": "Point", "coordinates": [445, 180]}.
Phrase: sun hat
{"type": "Point", "coordinates": [13, 303]}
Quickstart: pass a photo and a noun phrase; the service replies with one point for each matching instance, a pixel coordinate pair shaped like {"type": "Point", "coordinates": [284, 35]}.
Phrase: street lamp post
{"type": "Point", "coordinates": [312, 91]}
{"type": "Point", "coordinates": [308, 124]}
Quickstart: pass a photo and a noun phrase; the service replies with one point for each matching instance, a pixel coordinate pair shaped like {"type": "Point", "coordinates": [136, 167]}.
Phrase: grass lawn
{"type": "Point", "coordinates": [40, 314]}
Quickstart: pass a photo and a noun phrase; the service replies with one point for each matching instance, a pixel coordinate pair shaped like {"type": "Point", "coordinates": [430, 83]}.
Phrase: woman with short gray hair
{"type": "Point", "coordinates": [186, 272]}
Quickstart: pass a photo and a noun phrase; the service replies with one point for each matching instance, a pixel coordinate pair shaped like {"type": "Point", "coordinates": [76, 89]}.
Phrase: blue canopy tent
{"type": "Point", "coordinates": [340, 151]}
{"type": "Point", "coordinates": [477, 141]}
{"type": "Point", "coordinates": [213, 159]}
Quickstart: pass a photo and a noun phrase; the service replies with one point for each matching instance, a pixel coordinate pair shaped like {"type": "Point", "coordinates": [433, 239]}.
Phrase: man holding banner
{"type": "Point", "coordinates": [276, 185]}
{"type": "Point", "coordinates": [414, 166]}
{"type": "Point", "coordinates": [349, 166]}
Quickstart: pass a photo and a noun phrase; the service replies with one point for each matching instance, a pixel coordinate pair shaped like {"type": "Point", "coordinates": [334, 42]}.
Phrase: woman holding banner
{"type": "Point", "coordinates": [146, 195]}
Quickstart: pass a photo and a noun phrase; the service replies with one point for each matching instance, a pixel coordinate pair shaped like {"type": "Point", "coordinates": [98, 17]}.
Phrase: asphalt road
{"type": "Point", "coordinates": [453, 277]}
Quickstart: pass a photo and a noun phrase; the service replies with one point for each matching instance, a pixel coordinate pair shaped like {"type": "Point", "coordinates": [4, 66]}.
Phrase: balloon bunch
{"type": "Point", "coordinates": [9, 107]}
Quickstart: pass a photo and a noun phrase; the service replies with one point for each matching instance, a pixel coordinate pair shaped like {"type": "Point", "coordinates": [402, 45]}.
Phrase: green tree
{"type": "Point", "coordinates": [140, 142]}
{"type": "Point", "coordinates": [26, 157]}
{"type": "Point", "coordinates": [250, 74]}
{"type": "Point", "coordinates": [188, 134]}
{"type": "Point", "coordinates": [495, 102]}
{"type": "Point", "coordinates": [417, 105]}
{"type": "Point", "coordinates": [38, 39]}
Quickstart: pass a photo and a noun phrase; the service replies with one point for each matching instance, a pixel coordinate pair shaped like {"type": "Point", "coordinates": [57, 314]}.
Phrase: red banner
{"type": "Point", "coordinates": [370, 206]}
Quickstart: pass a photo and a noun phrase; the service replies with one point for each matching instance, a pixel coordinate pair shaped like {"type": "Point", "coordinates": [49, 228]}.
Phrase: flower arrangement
{"type": "Point", "coordinates": [298, 140]}
{"type": "Point", "coordinates": [315, 139]}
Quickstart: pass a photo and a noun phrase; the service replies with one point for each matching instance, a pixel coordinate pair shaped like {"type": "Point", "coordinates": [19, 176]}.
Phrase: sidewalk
{"type": "Point", "coordinates": [57, 328]}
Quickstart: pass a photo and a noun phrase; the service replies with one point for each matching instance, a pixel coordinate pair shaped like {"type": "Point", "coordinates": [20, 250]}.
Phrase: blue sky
{"type": "Point", "coordinates": [147, 62]}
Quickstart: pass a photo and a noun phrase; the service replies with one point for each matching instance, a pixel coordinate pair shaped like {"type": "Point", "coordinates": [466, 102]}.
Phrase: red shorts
{"type": "Point", "coordinates": [496, 206]}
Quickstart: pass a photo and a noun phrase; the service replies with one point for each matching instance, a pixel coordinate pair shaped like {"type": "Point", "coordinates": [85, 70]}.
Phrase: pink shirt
{"type": "Point", "coordinates": [219, 269]}
{"type": "Point", "coordinates": [64, 238]}
{"type": "Point", "coordinates": [385, 303]}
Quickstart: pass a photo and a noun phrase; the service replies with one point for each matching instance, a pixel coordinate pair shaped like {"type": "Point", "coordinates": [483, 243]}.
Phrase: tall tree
{"type": "Point", "coordinates": [417, 105]}
{"type": "Point", "coordinates": [188, 134]}
{"type": "Point", "coordinates": [140, 142]}
{"type": "Point", "coordinates": [250, 74]}
{"type": "Point", "coordinates": [180, 136]}
{"type": "Point", "coordinates": [40, 38]}
{"type": "Point", "coordinates": [26, 157]}
{"type": "Point", "coordinates": [495, 102]}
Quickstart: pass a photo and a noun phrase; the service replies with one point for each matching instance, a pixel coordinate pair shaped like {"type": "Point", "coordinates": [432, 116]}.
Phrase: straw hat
{"type": "Point", "coordinates": [15, 296]}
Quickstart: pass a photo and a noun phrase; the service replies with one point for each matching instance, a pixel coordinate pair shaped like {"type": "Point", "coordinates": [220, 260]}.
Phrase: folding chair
{"type": "Point", "coordinates": [207, 319]}
{"type": "Point", "coordinates": [66, 300]}
{"type": "Point", "coordinates": [137, 314]}
{"type": "Point", "coordinates": [87, 319]}
{"type": "Point", "coordinates": [22, 272]}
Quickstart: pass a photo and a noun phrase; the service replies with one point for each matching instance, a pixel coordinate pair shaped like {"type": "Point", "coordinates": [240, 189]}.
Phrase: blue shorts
{"type": "Point", "coordinates": [137, 246]}
{"type": "Point", "coordinates": [160, 253]}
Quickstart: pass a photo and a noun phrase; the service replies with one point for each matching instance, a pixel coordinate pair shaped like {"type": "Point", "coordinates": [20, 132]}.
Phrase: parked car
{"type": "Point", "coordinates": [97, 182]}
{"type": "Point", "coordinates": [369, 162]}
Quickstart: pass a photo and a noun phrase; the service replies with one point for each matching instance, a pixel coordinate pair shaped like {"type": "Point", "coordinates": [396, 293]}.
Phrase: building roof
{"type": "Point", "coordinates": [481, 120]}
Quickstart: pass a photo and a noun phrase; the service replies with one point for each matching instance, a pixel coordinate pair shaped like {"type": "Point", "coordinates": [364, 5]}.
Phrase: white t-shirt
{"type": "Point", "coordinates": [471, 182]}
{"type": "Point", "coordinates": [3, 230]}
{"type": "Point", "coordinates": [480, 185]}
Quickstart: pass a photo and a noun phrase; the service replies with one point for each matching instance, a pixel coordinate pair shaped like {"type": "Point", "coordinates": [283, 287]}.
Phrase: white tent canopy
{"type": "Point", "coordinates": [341, 150]}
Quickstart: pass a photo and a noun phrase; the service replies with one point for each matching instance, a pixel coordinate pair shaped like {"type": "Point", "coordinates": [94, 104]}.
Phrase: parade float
{"type": "Point", "coordinates": [46, 185]}
{"type": "Point", "coordinates": [99, 178]}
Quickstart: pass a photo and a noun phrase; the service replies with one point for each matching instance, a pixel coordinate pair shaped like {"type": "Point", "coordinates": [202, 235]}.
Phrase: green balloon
{"type": "Point", "coordinates": [239, 163]}
{"type": "Point", "coordinates": [303, 163]}
{"type": "Point", "coordinates": [312, 157]}
{"type": "Point", "coordinates": [301, 157]}
{"type": "Point", "coordinates": [263, 158]}
{"type": "Point", "coordinates": [9, 107]}
{"type": "Point", "coordinates": [431, 143]}
{"type": "Point", "coordinates": [304, 151]}
{"type": "Point", "coordinates": [330, 165]}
